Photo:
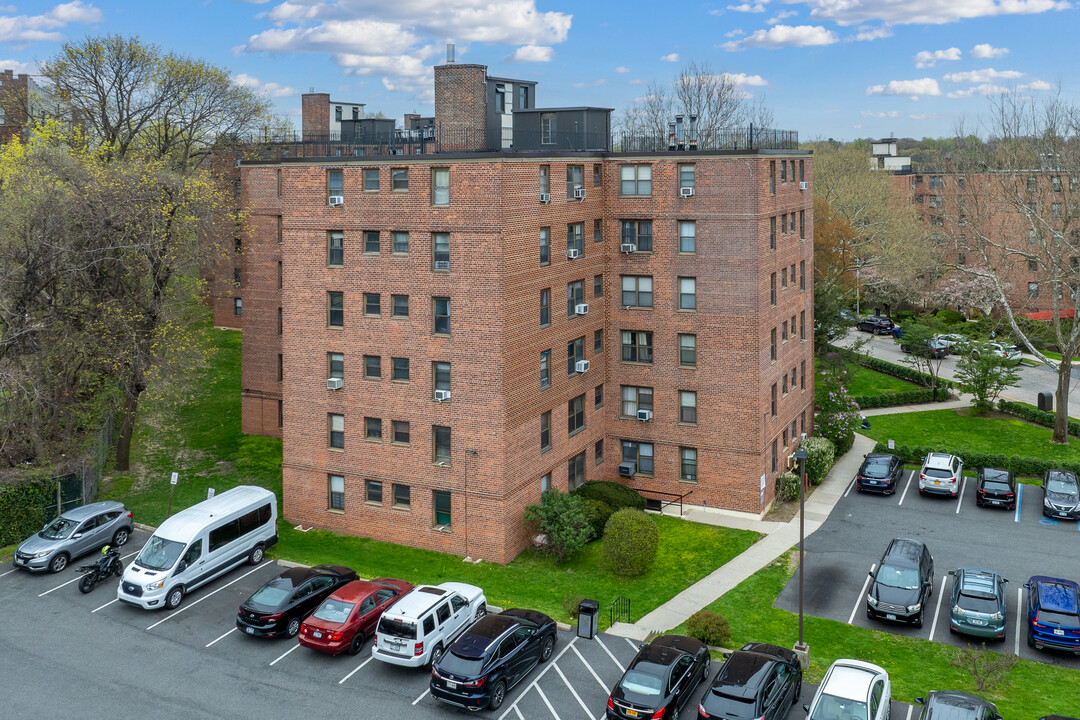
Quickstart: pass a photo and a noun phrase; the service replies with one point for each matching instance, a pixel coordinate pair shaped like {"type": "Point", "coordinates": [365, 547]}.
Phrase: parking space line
{"type": "Point", "coordinates": [537, 679]}
{"type": "Point", "coordinates": [356, 670]}
{"type": "Point", "coordinates": [909, 709]}
{"type": "Point", "coordinates": [850, 485]}
{"type": "Point", "coordinates": [422, 695]}
{"type": "Point", "coordinates": [937, 610]}
{"type": "Point", "coordinates": [862, 594]}
{"type": "Point", "coordinates": [220, 637]}
{"type": "Point", "coordinates": [191, 605]}
{"type": "Point", "coordinates": [282, 655]}
{"type": "Point", "coordinates": [573, 692]}
{"type": "Point", "coordinates": [9, 572]}
{"type": "Point", "coordinates": [631, 644]}
{"type": "Point", "coordinates": [544, 698]}
{"type": "Point", "coordinates": [613, 658]}
{"type": "Point", "coordinates": [906, 488]}
{"type": "Point", "coordinates": [103, 606]}
{"type": "Point", "coordinates": [78, 578]}
{"type": "Point", "coordinates": [1019, 498]}
{"type": "Point", "coordinates": [591, 671]}
{"type": "Point", "coordinates": [1019, 610]}
{"type": "Point", "coordinates": [520, 716]}
{"type": "Point", "coordinates": [960, 495]}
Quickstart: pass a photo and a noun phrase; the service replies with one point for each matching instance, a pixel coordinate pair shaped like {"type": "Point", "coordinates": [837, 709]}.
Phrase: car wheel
{"type": "Point", "coordinates": [480, 611]}
{"type": "Point", "coordinates": [798, 691]}
{"type": "Point", "coordinates": [675, 714]}
{"type": "Point", "coordinates": [918, 620]}
{"type": "Point", "coordinates": [175, 596]}
{"type": "Point", "coordinates": [58, 563]}
{"type": "Point", "coordinates": [952, 630]}
{"type": "Point", "coordinates": [1030, 639]}
{"type": "Point", "coordinates": [547, 649]}
{"type": "Point", "coordinates": [705, 671]}
{"type": "Point", "coordinates": [121, 537]}
{"type": "Point", "coordinates": [869, 612]}
{"type": "Point", "coordinates": [87, 583]}
{"type": "Point", "coordinates": [293, 628]}
{"type": "Point", "coordinates": [357, 643]}
{"type": "Point", "coordinates": [498, 694]}
{"type": "Point", "coordinates": [256, 555]}
{"type": "Point", "coordinates": [436, 654]}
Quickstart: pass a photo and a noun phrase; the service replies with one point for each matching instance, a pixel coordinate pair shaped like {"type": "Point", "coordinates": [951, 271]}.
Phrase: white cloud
{"type": "Point", "coordinates": [594, 83]}
{"type": "Point", "coordinates": [986, 50]}
{"type": "Point", "coordinates": [880, 115]}
{"type": "Point", "coordinates": [979, 76]}
{"type": "Point", "coordinates": [672, 57]}
{"type": "Point", "coordinates": [911, 88]}
{"type": "Point", "coordinates": [741, 79]}
{"type": "Point", "coordinates": [927, 58]}
{"type": "Point", "coordinates": [270, 90]}
{"type": "Point", "coordinates": [782, 15]}
{"type": "Point", "coordinates": [866, 34]}
{"type": "Point", "coordinates": [925, 12]}
{"type": "Point", "coordinates": [29, 28]}
{"type": "Point", "coordinates": [636, 81]}
{"type": "Point", "coordinates": [735, 33]}
{"type": "Point", "coordinates": [1035, 85]}
{"type": "Point", "coordinates": [984, 89]}
{"type": "Point", "coordinates": [749, 7]}
{"type": "Point", "coordinates": [532, 53]}
{"type": "Point", "coordinates": [920, 116]}
{"type": "Point", "coordinates": [780, 36]}
{"type": "Point", "coordinates": [20, 68]}
{"type": "Point", "coordinates": [622, 69]}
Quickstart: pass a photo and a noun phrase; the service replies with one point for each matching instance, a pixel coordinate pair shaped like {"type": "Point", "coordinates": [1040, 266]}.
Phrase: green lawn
{"type": "Point", "coordinates": [957, 430]}
{"type": "Point", "coordinates": [864, 382]}
{"type": "Point", "coordinates": [915, 666]}
{"type": "Point", "coordinates": [202, 441]}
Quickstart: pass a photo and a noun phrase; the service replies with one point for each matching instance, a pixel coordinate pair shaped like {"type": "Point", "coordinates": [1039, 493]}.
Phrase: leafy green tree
{"type": "Point", "coordinates": [984, 375]}
{"type": "Point", "coordinates": [561, 519]}
{"type": "Point", "coordinates": [917, 341]}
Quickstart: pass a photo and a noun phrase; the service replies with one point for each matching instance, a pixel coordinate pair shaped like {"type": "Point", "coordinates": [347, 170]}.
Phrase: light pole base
{"type": "Point", "coordinates": [802, 650]}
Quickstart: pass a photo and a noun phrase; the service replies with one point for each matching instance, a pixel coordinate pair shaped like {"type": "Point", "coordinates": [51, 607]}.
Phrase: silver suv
{"type": "Point", "coordinates": [941, 474]}
{"type": "Point", "coordinates": [75, 533]}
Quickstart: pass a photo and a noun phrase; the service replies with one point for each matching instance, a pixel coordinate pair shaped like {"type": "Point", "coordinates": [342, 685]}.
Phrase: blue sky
{"type": "Point", "coordinates": [827, 68]}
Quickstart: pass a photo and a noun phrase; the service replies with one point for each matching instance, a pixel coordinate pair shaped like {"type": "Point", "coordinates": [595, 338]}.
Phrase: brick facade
{"type": "Point", "coordinates": [494, 347]}
{"type": "Point", "coordinates": [13, 104]}
{"type": "Point", "coordinates": [461, 105]}
{"type": "Point", "coordinates": [315, 115]}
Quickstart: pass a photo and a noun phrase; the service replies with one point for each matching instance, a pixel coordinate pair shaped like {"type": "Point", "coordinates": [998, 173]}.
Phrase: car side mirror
{"type": "Point", "coordinates": [952, 572]}
{"type": "Point", "coordinates": [182, 566]}
{"type": "Point", "coordinates": [76, 536]}
{"type": "Point", "coordinates": [871, 573]}
{"type": "Point", "coordinates": [920, 701]}
{"type": "Point", "coordinates": [1027, 586]}
{"type": "Point", "coordinates": [806, 709]}
{"type": "Point", "coordinates": [1005, 580]}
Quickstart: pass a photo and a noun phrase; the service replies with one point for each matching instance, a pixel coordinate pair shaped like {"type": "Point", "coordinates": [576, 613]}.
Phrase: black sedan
{"type": "Point", "coordinates": [758, 681]}
{"type": "Point", "coordinates": [996, 487]}
{"type": "Point", "coordinates": [1061, 495]}
{"type": "Point", "coordinates": [491, 656]}
{"type": "Point", "coordinates": [876, 325]}
{"type": "Point", "coordinates": [880, 472]}
{"type": "Point", "coordinates": [660, 679]}
{"type": "Point", "coordinates": [278, 607]}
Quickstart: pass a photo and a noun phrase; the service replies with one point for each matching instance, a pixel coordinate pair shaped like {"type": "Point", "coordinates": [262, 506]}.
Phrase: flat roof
{"type": "Point", "coordinates": [562, 109]}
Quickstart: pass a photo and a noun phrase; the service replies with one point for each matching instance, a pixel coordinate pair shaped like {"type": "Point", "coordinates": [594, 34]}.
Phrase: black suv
{"type": "Point", "coordinates": [952, 705]}
{"type": "Point", "coordinates": [660, 680]}
{"type": "Point", "coordinates": [1061, 495]}
{"type": "Point", "coordinates": [876, 325]}
{"type": "Point", "coordinates": [996, 487]}
{"type": "Point", "coordinates": [756, 681]}
{"type": "Point", "coordinates": [901, 583]}
{"type": "Point", "coordinates": [880, 472]}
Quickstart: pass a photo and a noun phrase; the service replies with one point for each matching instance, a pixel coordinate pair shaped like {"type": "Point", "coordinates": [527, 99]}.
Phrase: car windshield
{"type": "Point", "coordinates": [898, 577]}
{"type": "Point", "coordinates": [1061, 484]}
{"type": "Point", "coordinates": [456, 664]}
{"type": "Point", "coordinates": [641, 683]}
{"type": "Point", "coordinates": [270, 595]}
{"type": "Point", "coordinates": [830, 707]}
{"type": "Point", "coordinates": [58, 529]}
{"type": "Point", "coordinates": [978, 603]}
{"type": "Point", "coordinates": [876, 468]}
{"type": "Point", "coordinates": [1061, 619]}
{"type": "Point", "coordinates": [159, 553]}
{"type": "Point", "coordinates": [397, 628]}
{"type": "Point", "coordinates": [997, 485]}
{"type": "Point", "coordinates": [334, 611]}
{"type": "Point", "coordinates": [937, 473]}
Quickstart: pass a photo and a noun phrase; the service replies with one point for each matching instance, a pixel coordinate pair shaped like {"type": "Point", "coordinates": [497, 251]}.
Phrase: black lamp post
{"type": "Point", "coordinates": [801, 455]}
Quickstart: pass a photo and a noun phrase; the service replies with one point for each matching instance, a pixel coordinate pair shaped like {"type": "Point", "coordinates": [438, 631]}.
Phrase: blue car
{"type": "Point", "coordinates": [1053, 613]}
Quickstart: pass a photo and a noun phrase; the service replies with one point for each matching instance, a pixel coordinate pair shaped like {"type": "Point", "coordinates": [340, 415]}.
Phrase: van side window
{"type": "Point", "coordinates": [223, 535]}
{"type": "Point", "coordinates": [194, 552]}
{"type": "Point", "coordinates": [429, 625]}
{"type": "Point", "coordinates": [264, 514]}
{"type": "Point", "coordinates": [458, 602]}
{"type": "Point", "coordinates": [255, 518]}
{"type": "Point", "coordinates": [443, 612]}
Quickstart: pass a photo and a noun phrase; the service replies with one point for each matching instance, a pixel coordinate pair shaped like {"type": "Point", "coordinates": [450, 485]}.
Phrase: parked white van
{"type": "Point", "coordinates": [199, 544]}
{"type": "Point", "coordinates": [419, 627]}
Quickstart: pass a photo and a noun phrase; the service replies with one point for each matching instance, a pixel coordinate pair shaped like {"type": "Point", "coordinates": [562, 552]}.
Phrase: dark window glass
{"type": "Point", "coordinates": [371, 241]}
{"type": "Point", "coordinates": [374, 491]}
{"type": "Point", "coordinates": [441, 443]}
{"type": "Point", "coordinates": [372, 366]}
{"type": "Point", "coordinates": [637, 346]}
{"type": "Point", "coordinates": [545, 306]}
{"type": "Point", "coordinates": [399, 305]}
{"type": "Point", "coordinates": [402, 497]}
{"type": "Point", "coordinates": [336, 308]}
{"type": "Point", "coordinates": [401, 431]}
{"type": "Point", "coordinates": [575, 415]}
{"type": "Point", "coordinates": [401, 368]}
{"type": "Point", "coordinates": [441, 315]}
{"type": "Point", "coordinates": [441, 501]}
{"type": "Point", "coordinates": [372, 304]}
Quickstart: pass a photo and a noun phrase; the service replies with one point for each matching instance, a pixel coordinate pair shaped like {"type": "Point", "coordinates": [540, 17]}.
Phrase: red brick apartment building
{"type": "Point", "coordinates": [441, 335]}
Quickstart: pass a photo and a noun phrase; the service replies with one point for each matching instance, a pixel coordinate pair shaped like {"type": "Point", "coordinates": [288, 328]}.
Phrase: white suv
{"type": "Point", "coordinates": [853, 690]}
{"type": "Point", "coordinates": [423, 623]}
{"type": "Point", "coordinates": [941, 474]}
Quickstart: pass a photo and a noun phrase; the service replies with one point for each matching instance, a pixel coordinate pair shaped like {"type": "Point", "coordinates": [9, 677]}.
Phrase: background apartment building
{"type": "Point", "coordinates": [441, 335]}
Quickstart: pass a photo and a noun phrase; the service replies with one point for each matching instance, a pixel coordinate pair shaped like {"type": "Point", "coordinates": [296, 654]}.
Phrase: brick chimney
{"type": "Point", "coordinates": [461, 105]}
{"type": "Point", "coordinates": [315, 114]}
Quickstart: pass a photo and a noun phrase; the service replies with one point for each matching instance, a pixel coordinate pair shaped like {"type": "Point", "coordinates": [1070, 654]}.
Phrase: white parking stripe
{"type": "Point", "coordinates": [960, 495]}
{"type": "Point", "coordinates": [9, 572]}
{"type": "Point", "coordinates": [937, 610]}
{"type": "Point", "coordinates": [356, 670]}
{"type": "Point", "coordinates": [537, 679]}
{"type": "Point", "coordinates": [221, 637]}
{"type": "Point", "coordinates": [103, 606]}
{"type": "Point", "coordinates": [422, 695]}
{"type": "Point", "coordinates": [631, 643]}
{"type": "Point", "coordinates": [850, 485]}
{"type": "Point", "coordinates": [544, 698]}
{"type": "Point", "coordinates": [282, 655]}
{"type": "Point", "coordinates": [909, 709]}
{"type": "Point", "coordinates": [862, 595]}
{"type": "Point", "coordinates": [74, 579]}
{"type": "Point", "coordinates": [1017, 625]}
{"type": "Point", "coordinates": [613, 658]}
{"type": "Point", "coordinates": [520, 716]}
{"type": "Point", "coordinates": [191, 605]}
{"type": "Point", "coordinates": [906, 488]}
{"type": "Point", "coordinates": [574, 692]}
{"type": "Point", "coordinates": [1019, 497]}
{"type": "Point", "coordinates": [591, 671]}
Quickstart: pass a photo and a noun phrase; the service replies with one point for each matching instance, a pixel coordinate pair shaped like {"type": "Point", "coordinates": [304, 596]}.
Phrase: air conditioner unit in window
{"type": "Point", "coordinates": [804, 185]}
{"type": "Point", "coordinates": [581, 309]}
{"type": "Point", "coordinates": [442, 395]}
{"type": "Point", "coordinates": [627, 469]}
{"type": "Point", "coordinates": [644, 415]}
{"type": "Point", "coordinates": [579, 193]}
{"type": "Point", "coordinates": [581, 366]}
{"type": "Point", "coordinates": [573, 254]}
{"type": "Point", "coordinates": [628, 248]}
{"type": "Point", "coordinates": [334, 383]}
{"type": "Point", "coordinates": [686, 192]}
{"type": "Point", "coordinates": [336, 200]}
{"type": "Point", "coordinates": [545, 198]}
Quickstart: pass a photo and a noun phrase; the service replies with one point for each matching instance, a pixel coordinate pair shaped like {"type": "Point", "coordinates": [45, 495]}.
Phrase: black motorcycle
{"type": "Point", "coordinates": [108, 564]}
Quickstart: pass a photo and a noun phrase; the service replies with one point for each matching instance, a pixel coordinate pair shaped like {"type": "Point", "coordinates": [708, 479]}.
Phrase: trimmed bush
{"type": "Point", "coordinates": [950, 317]}
{"type": "Point", "coordinates": [1034, 467]}
{"type": "Point", "coordinates": [560, 518]}
{"type": "Point", "coordinates": [570, 604]}
{"type": "Point", "coordinates": [709, 627]}
{"type": "Point", "coordinates": [909, 397]}
{"type": "Point", "coordinates": [630, 542]}
{"type": "Point", "coordinates": [1035, 415]}
{"type": "Point", "coordinates": [616, 496]}
{"type": "Point", "coordinates": [903, 316]}
{"type": "Point", "coordinates": [597, 512]}
{"type": "Point", "coordinates": [821, 454]}
{"type": "Point", "coordinates": [787, 487]}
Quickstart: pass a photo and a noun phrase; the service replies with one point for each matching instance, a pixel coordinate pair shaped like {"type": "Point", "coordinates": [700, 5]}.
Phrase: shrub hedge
{"type": "Point", "coordinates": [597, 512]}
{"type": "Point", "coordinates": [1035, 415]}
{"type": "Point", "coordinates": [616, 496]}
{"type": "Point", "coordinates": [787, 487]}
{"type": "Point", "coordinates": [950, 317]}
{"type": "Point", "coordinates": [821, 454]}
{"type": "Point", "coordinates": [630, 542]}
{"type": "Point", "coordinates": [1034, 467]}
{"type": "Point", "coordinates": [709, 627]}
{"type": "Point", "coordinates": [22, 508]}
{"type": "Point", "coordinates": [909, 397]}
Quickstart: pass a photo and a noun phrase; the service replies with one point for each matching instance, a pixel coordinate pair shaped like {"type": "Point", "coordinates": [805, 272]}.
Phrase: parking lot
{"type": "Point", "coordinates": [1016, 543]}
{"type": "Point", "coordinates": [63, 651]}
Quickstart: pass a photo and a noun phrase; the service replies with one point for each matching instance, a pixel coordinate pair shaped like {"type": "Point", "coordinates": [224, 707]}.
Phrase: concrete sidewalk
{"type": "Point", "coordinates": [779, 537]}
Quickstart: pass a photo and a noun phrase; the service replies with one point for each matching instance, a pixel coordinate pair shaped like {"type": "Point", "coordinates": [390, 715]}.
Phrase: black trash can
{"type": "Point", "coordinates": [588, 619]}
{"type": "Point", "coordinates": [1046, 401]}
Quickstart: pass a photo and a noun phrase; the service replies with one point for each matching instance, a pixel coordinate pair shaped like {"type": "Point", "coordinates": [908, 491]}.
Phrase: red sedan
{"type": "Point", "coordinates": [348, 617]}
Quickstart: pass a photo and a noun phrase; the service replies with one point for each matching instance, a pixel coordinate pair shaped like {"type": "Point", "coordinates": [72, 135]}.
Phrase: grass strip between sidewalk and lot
{"type": "Point", "coordinates": [862, 382]}
{"type": "Point", "coordinates": [915, 666]}
{"type": "Point", "coordinates": [202, 441]}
